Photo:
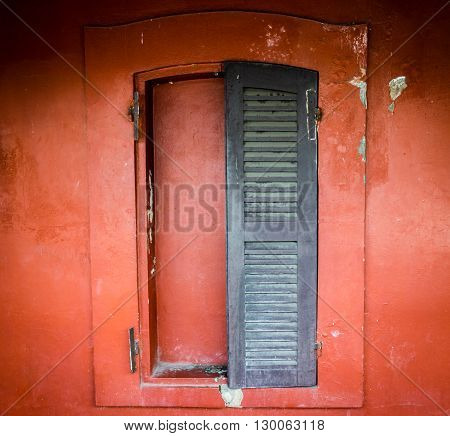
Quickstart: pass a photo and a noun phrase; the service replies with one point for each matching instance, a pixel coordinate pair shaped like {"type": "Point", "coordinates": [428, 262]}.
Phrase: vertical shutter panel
{"type": "Point", "coordinates": [271, 225]}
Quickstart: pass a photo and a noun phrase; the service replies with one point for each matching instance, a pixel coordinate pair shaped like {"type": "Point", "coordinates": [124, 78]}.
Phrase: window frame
{"type": "Point", "coordinates": [147, 303]}
{"type": "Point", "coordinates": [112, 193]}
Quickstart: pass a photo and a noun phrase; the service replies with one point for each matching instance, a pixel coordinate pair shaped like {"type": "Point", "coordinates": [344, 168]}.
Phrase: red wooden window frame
{"type": "Point", "coordinates": [194, 43]}
{"type": "Point", "coordinates": [147, 298]}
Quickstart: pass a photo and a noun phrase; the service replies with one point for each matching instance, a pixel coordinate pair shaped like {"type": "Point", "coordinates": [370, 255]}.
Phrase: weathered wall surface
{"type": "Point", "coordinates": [44, 268]}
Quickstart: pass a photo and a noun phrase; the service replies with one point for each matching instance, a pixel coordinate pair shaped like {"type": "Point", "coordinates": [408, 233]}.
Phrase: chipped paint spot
{"type": "Point", "coordinates": [231, 397]}
{"type": "Point", "coordinates": [362, 85]}
{"type": "Point", "coordinates": [335, 333]}
{"type": "Point", "coordinates": [218, 379]}
{"type": "Point", "coordinates": [396, 87]}
{"type": "Point", "coordinates": [272, 39]}
{"type": "Point", "coordinates": [360, 44]}
{"type": "Point", "coordinates": [362, 148]}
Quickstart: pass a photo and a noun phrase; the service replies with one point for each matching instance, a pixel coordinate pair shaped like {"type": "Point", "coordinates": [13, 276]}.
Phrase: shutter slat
{"type": "Point", "coordinates": [269, 345]}
{"type": "Point", "coordinates": [269, 128]}
{"type": "Point", "coordinates": [269, 136]}
{"type": "Point", "coordinates": [274, 116]}
{"type": "Point", "coordinates": [270, 354]}
{"type": "Point", "coordinates": [270, 288]}
{"type": "Point", "coordinates": [271, 363]}
{"type": "Point", "coordinates": [276, 336]}
{"type": "Point", "coordinates": [270, 298]}
{"type": "Point", "coordinates": [270, 98]}
{"type": "Point", "coordinates": [269, 106]}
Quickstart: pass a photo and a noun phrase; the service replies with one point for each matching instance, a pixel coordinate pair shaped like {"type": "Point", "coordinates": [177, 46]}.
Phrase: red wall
{"type": "Point", "coordinates": [45, 284]}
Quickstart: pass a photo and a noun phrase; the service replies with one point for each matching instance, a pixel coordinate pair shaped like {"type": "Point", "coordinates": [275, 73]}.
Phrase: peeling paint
{"type": "Point", "coordinates": [362, 148]}
{"type": "Point", "coordinates": [396, 87]}
{"type": "Point", "coordinates": [231, 397]}
{"type": "Point", "coordinates": [362, 85]}
{"type": "Point", "coordinates": [220, 378]}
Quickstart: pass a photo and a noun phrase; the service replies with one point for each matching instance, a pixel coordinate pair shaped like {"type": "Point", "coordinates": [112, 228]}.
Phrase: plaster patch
{"type": "Point", "coordinates": [362, 148]}
{"type": "Point", "coordinates": [362, 85]}
{"type": "Point", "coordinates": [231, 397]}
{"type": "Point", "coordinates": [396, 87]}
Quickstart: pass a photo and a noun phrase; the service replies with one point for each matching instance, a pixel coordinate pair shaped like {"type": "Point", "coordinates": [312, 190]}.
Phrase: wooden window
{"type": "Point", "coordinates": [271, 225]}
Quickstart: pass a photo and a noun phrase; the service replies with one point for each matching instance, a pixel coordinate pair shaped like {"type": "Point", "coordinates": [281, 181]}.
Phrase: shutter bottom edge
{"type": "Point", "coordinates": [276, 378]}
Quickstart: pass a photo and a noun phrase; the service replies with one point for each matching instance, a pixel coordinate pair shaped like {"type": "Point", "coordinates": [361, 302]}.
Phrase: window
{"type": "Point", "coordinates": [271, 225]}
{"type": "Point", "coordinates": [176, 47]}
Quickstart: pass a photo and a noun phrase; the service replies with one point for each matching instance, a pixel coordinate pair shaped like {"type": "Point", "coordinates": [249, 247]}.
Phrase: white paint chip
{"type": "Point", "coordinates": [362, 148]}
{"type": "Point", "coordinates": [362, 89]}
{"type": "Point", "coordinates": [396, 87]}
{"type": "Point", "coordinates": [231, 397]}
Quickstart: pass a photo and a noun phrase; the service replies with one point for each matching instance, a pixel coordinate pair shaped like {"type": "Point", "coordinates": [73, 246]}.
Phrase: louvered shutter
{"type": "Point", "coordinates": [271, 225]}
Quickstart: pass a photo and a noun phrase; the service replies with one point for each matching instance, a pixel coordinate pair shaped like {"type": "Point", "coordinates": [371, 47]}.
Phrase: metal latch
{"type": "Point", "coordinates": [134, 349]}
{"type": "Point", "coordinates": [134, 113]}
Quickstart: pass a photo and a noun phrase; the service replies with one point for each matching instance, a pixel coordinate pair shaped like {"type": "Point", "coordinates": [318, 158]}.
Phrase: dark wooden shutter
{"type": "Point", "coordinates": [271, 224]}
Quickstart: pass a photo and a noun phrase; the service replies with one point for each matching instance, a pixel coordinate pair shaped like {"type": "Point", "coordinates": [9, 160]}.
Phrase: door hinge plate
{"type": "Point", "coordinates": [312, 114]}
{"type": "Point", "coordinates": [134, 112]}
{"type": "Point", "coordinates": [134, 349]}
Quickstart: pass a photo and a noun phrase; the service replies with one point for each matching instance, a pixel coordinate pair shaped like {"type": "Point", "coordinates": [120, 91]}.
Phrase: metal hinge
{"type": "Point", "coordinates": [134, 349]}
{"type": "Point", "coordinates": [312, 114]}
{"type": "Point", "coordinates": [317, 114]}
{"type": "Point", "coordinates": [318, 348]}
{"type": "Point", "coordinates": [134, 112]}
